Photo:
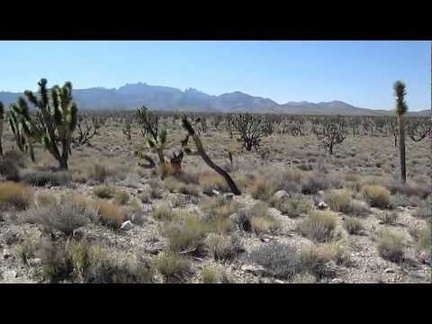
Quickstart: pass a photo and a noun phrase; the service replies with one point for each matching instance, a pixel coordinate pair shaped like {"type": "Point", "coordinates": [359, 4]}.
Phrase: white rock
{"type": "Point", "coordinates": [252, 269]}
{"type": "Point", "coordinates": [322, 205]}
{"type": "Point", "coordinates": [215, 192]}
{"type": "Point", "coordinates": [229, 196]}
{"type": "Point", "coordinates": [280, 194]}
{"type": "Point", "coordinates": [9, 275]}
{"type": "Point", "coordinates": [6, 254]}
{"type": "Point", "coordinates": [126, 225]}
{"type": "Point", "coordinates": [389, 270]}
{"type": "Point", "coordinates": [35, 262]}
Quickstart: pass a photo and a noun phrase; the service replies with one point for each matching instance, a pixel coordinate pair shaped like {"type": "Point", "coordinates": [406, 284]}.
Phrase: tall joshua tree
{"type": "Point", "coordinates": [1, 126]}
{"type": "Point", "coordinates": [401, 109]}
{"type": "Point", "coordinates": [54, 122]}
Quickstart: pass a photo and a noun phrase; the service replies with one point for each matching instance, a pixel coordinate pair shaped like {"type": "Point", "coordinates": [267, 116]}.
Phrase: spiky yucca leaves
{"type": "Point", "coordinates": [401, 109]}
{"type": "Point", "coordinates": [200, 149]}
{"type": "Point", "coordinates": [156, 139]}
{"type": "Point", "coordinates": [1, 126]}
{"type": "Point", "coordinates": [55, 121]}
{"type": "Point", "coordinates": [24, 137]}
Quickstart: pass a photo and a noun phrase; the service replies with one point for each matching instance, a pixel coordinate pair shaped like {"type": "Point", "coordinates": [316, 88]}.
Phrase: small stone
{"type": "Point", "coordinates": [126, 225]}
{"type": "Point", "coordinates": [34, 262]}
{"type": "Point", "coordinates": [140, 190]}
{"type": "Point", "coordinates": [278, 281]}
{"type": "Point", "coordinates": [78, 233]}
{"type": "Point", "coordinates": [425, 257]}
{"type": "Point", "coordinates": [9, 275]}
{"type": "Point", "coordinates": [265, 239]}
{"type": "Point", "coordinates": [6, 254]}
{"type": "Point", "coordinates": [280, 194]}
{"type": "Point", "coordinates": [229, 196]}
{"type": "Point", "coordinates": [389, 270]}
{"type": "Point", "coordinates": [337, 280]}
{"type": "Point", "coordinates": [215, 192]}
{"type": "Point", "coordinates": [256, 270]}
{"type": "Point", "coordinates": [322, 205]}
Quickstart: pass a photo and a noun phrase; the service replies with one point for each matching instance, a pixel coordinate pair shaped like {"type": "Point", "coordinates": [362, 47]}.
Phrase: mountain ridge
{"type": "Point", "coordinates": [157, 97]}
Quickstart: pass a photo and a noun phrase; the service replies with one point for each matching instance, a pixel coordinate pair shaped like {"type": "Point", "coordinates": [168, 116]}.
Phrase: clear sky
{"type": "Point", "coordinates": [360, 73]}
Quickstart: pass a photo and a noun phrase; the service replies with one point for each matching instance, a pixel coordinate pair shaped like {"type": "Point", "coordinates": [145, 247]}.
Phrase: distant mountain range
{"type": "Point", "coordinates": [132, 96]}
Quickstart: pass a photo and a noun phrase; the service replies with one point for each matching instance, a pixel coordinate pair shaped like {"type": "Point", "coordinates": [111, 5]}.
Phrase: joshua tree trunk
{"type": "Point", "coordinates": [401, 127]}
{"type": "Point", "coordinates": [234, 189]}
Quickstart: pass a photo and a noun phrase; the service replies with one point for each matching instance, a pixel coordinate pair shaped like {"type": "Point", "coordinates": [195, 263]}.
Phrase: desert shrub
{"type": "Point", "coordinates": [391, 246]}
{"type": "Point", "coordinates": [262, 189]}
{"type": "Point", "coordinates": [279, 260]}
{"type": "Point", "coordinates": [314, 183]}
{"type": "Point", "coordinates": [338, 201]}
{"type": "Point", "coordinates": [396, 187]}
{"type": "Point", "coordinates": [110, 214]}
{"type": "Point", "coordinates": [101, 172]}
{"type": "Point", "coordinates": [65, 216]}
{"type": "Point", "coordinates": [9, 169]}
{"type": "Point", "coordinates": [288, 180]}
{"type": "Point", "coordinates": [121, 197]}
{"type": "Point", "coordinates": [318, 226]}
{"type": "Point", "coordinates": [163, 212]}
{"type": "Point", "coordinates": [294, 206]}
{"type": "Point", "coordinates": [423, 237]}
{"type": "Point", "coordinates": [404, 200]}
{"type": "Point", "coordinates": [353, 225]}
{"type": "Point", "coordinates": [376, 196]}
{"type": "Point", "coordinates": [187, 177]}
{"type": "Point", "coordinates": [18, 157]}
{"type": "Point", "coordinates": [90, 263]}
{"type": "Point", "coordinates": [216, 213]}
{"type": "Point", "coordinates": [316, 258]}
{"type": "Point", "coordinates": [45, 199]}
{"type": "Point", "coordinates": [358, 208]}
{"type": "Point", "coordinates": [16, 195]}
{"type": "Point", "coordinates": [210, 182]}
{"type": "Point", "coordinates": [145, 197]}
{"type": "Point", "coordinates": [388, 218]}
{"type": "Point", "coordinates": [104, 191]}
{"type": "Point", "coordinates": [156, 191]}
{"type": "Point", "coordinates": [172, 267]}
{"type": "Point", "coordinates": [213, 275]}
{"type": "Point", "coordinates": [222, 247]}
{"type": "Point", "coordinates": [189, 189]}
{"type": "Point", "coordinates": [171, 184]}
{"type": "Point", "coordinates": [424, 210]}
{"type": "Point", "coordinates": [188, 235]}
{"type": "Point", "coordinates": [43, 178]}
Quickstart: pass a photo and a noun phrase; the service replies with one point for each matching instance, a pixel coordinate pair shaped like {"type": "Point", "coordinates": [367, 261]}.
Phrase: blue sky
{"type": "Point", "coordinates": [360, 73]}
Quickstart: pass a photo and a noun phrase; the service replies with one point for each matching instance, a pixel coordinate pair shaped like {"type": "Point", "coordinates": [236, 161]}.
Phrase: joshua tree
{"type": "Point", "coordinates": [1, 126]}
{"type": "Point", "coordinates": [250, 128]}
{"type": "Point", "coordinates": [23, 135]}
{"type": "Point", "coordinates": [53, 124]}
{"type": "Point", "coordinates": [87, 129]}
{"type": "Point", "coordinates": [200, 150]}
{"type": "Point", "coordinates": [154, 137]}
{"type": "Point", "coordinates": [401, 109]}
{"type": "Point", "coordinates": [127, 130]}
{"type": "Point", "coordinates": [331, 132]}
{"type": "Point", "coordinates": [418, 128]}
